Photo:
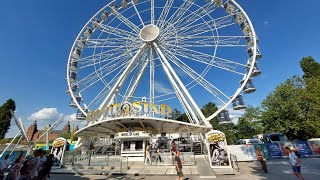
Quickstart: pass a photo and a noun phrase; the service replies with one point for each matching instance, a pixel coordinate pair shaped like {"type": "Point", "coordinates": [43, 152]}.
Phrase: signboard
{"type": "Point", "coordinates": [247, 152]}
{"type": "Point", "coordinates": [303, 148]}
{"type": "Point", "coordinates": [274, 150]}
{"type": "Point", "coordinates": [218, 151]}
{"type": "Point", "coordinates": [134, 109]}
{"type": "Point", "coordinates": [314, 144]}
{"type": "Point", "coordinates": [264, 149]}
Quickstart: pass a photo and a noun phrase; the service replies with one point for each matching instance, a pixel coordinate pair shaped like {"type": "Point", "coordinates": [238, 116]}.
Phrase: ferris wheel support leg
{"type": "Point", "coordinates": [122, 78]}
{"type": "Point", "coordinates": [151, 77]}
{"type": "Point", "coordinates": [137, 80]}
{"type": "Point", "coordinates": [175, 85]}
{"type": "Point", "coordinates": [184, 89]}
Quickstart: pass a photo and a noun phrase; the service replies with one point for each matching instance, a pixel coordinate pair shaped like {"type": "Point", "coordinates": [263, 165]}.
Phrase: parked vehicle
{"type": "Point", "coordinates": [249, 141]}
{"type": "Point", "coordinates": [271, 137]}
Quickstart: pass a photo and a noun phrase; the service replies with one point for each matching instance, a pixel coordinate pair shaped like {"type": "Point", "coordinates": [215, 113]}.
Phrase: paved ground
{"type": "Point", "coordinates": [278, 169]}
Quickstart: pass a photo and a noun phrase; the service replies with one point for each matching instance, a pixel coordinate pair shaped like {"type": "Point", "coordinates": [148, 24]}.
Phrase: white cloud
{"type": "Point", "coordinates": [266, 22]}
{"type": "Point", "coordinates": [161, 88]}
{"type": "Point", "coordinates": [46, 114]}
{"type": "Point", "coordinates": [44, 117]}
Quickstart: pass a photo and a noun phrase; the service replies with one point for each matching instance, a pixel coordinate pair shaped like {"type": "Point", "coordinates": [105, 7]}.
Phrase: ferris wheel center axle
{"type": "Point", "coordinates": [149, 33]}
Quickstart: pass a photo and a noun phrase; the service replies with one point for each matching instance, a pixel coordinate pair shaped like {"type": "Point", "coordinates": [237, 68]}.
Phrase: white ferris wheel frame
{"type": "Point", "coordinates": [175, 81]}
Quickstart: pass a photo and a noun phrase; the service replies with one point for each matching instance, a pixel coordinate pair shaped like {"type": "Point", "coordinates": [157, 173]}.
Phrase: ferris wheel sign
{"type": "Point", "coordinates": [180, 52]}
{"type": "Point", "coordinates": [130, 109]}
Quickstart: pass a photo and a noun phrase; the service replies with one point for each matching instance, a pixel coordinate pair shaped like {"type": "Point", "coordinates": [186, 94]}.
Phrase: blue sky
{"type": "Point", "coordinates": [36, 37]}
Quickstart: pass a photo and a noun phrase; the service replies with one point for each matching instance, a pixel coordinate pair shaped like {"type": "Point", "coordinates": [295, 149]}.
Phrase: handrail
{"type": "Point", "coordinates": [234, 162]}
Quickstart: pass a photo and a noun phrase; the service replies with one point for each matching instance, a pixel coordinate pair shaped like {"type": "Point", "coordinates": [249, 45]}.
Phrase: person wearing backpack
{"type": "Point", "coordinates": [295, 162]}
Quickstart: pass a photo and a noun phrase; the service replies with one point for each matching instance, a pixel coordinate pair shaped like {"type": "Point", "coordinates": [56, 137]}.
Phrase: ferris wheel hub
{"type": "Point", "coordinates": [149, 33]}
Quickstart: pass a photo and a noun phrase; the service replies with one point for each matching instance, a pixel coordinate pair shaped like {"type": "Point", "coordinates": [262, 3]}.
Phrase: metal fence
{"type": "Point", "coordinates": [98, 160]}
{"type": "Point", "coordinates": [234, 162]}
{"type": "Point", "coordinates": [167, 158]}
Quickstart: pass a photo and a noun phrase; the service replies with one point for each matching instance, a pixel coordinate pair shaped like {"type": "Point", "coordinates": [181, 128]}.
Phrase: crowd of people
{"type": "Point", "coordinates": [31, 167]}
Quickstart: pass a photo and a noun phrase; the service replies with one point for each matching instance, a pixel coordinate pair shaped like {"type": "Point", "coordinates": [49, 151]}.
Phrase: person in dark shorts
{"type": "Point", "coordinates": [178, 164]}
{"type": "Point", "coordinates": [295, 162]}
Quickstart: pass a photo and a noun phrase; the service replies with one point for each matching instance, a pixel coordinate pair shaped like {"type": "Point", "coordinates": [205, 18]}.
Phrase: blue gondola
{"type": "Point", "coordinates": [76, 53]}
{"type": "Point", "coordinates": [81, 42]}
{"type": "Point", "coordinates": [88, 32]}
{"type": "Point", "coordinates": [104, 15]}
{"type": "Point", "coordinates": [224, 117]}
{"type": "Point", "coordinates": [249, 87]}
{"type": "Point", "coordinates": [96, 23]}
{"type": "Point", "coordinates": [238, 103]}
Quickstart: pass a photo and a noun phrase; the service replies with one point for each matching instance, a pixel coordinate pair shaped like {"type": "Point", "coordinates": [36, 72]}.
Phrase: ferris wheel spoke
{"type": "Point", "coordinates": [207, 41]}
{"type": "Point", "coordinates": [192, 17]}
{"type": "Point", "coordinates": [187, 4]}
{"type": "Point", "coordinates": [214, 61]}
{"type": "Point", "coordinates": [126, 21]}
{"type": "Point", "coordinates": [218, 23]}
{"type": "Point", "coordinates": [117, 32]}
{"type": "Point", "coordinates": [182, 86]}
{"type": "Point", "coordinates": [196, 77]}
{"type": "Point", "coordinates": [164, 13]}
{"type": "Point", "coordinates": [104, 56]}
{"type": "Point", "coordinates": [152, 11]}
{"type": "Point", "coordinates": [108, 60]}
{"type": "Point", "coordinates": [137, 12]}
{"type": "Point", "coordinates": [111, 42]}
{"type": "Point", "coordinates": [123, 77]}
{"type": "Point", "coordinates": [97, 76]}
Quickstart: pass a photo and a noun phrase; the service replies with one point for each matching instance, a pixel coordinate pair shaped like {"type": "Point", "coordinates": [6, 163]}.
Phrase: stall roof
{"type": "Point", "coordinates": [113, 125]}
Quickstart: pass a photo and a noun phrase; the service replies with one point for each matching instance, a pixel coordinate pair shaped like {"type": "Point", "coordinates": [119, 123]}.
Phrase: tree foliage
{"type": "Point", "coordinates": [310, 67]}
{"type": "Point", "coordinates": [293, 108]}
{"type": "Point", "coordinates": [5, 117]}
{"type": "Point", "coordinates": [249, 124]}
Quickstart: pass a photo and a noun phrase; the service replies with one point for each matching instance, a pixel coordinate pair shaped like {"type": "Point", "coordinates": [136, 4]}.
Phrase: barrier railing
{"type": "Point", "coordinates": [167, 158]}
{"type": "Point", "coordinates": [234, 162]}
{"type": "Point", "coordinates": [108, 159]}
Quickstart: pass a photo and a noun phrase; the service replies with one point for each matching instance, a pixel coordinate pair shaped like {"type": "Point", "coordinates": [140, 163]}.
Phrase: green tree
{"type": "Point", "coordinates": [228, 129]}
{"type": "Point", "coordinates": [249, 123]}
{"type": "Point", "coordinates": [289, 109]}
{"type": "Point", "coordinates": [310, 67]}
{"type": "Point", "coordinates": [5, 117]}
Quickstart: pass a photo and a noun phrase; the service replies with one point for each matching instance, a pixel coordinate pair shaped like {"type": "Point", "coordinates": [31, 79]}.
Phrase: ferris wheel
{"type": "Point", "coordinates": [180, 52]}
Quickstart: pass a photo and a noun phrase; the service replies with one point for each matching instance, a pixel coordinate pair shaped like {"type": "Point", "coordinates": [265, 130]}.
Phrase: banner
{"type": "Point", "coordinates": [274, 150]}
{"type": "Point", "coordinates": [247, 152]}
{"type": "Point", "coordinates": [218, 151]}
{"type": "Point", "coordinates": [314, 146]}
{"type": "Point", "coordinates": [303, 148]}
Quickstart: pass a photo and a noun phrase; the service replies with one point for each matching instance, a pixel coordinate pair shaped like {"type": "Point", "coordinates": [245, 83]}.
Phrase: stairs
{"type": "Point", "coordinates": [197, 148]}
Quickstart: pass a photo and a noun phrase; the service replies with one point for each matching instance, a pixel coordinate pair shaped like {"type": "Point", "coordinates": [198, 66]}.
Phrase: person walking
{"type": "Point", "coordinates": [295, 162]}
{"type": "Point", "coordinates": [158, 156]}
{"type": "Point", "coordinates": [148, 158]}
{"type": "Point", "coordinates": [4, 165]}
{"type": "Point", "coordinates": [261, 159]}
{"type": "Point", "coordinates": [15, 168]}
{"type": "Point", "coordinates": [178, 165]}
{"type": "Point", "coordinates": [34, 164]}
{"type": "Point", "coordinates": [46, 168]}
{"type": "Point", "coordinates": [42, 159]}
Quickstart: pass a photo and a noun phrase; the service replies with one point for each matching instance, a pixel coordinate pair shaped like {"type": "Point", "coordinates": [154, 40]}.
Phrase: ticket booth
{"type": "Point", "coordinates": [133, 144]}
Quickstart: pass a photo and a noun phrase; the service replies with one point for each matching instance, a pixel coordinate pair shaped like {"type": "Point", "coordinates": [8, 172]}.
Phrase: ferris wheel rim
{"type": "Point", "coordinates": [238, 91]}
